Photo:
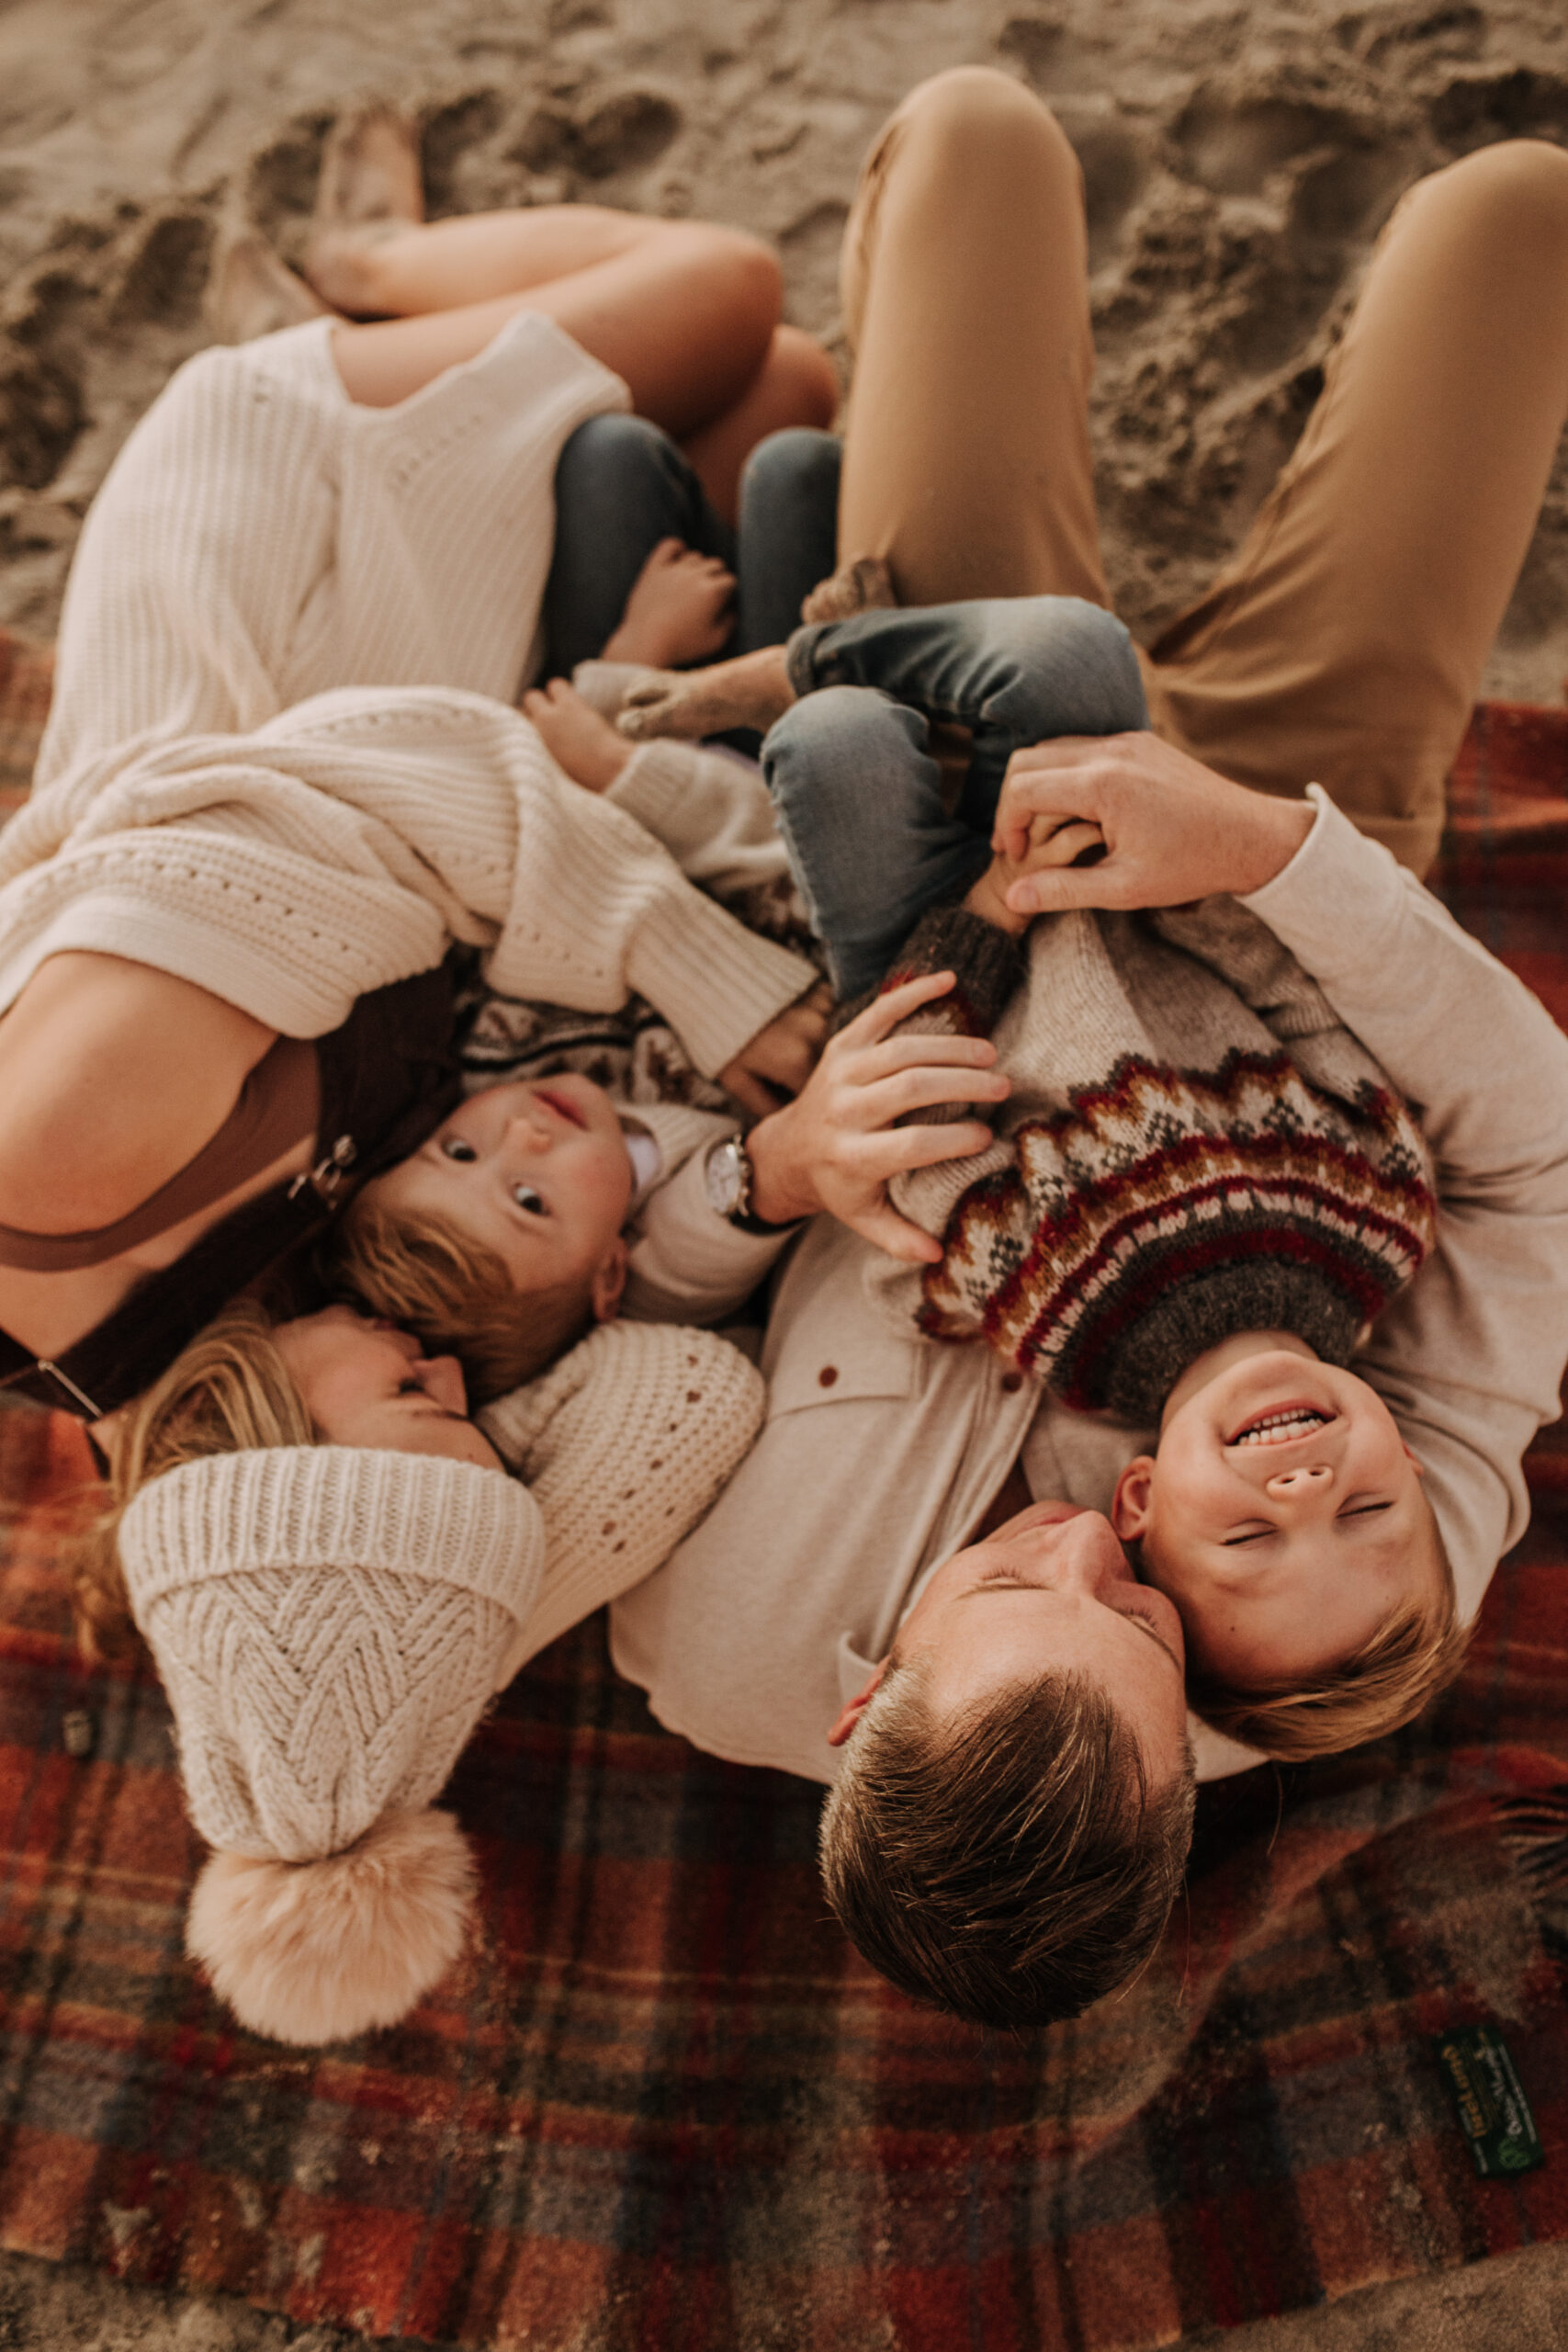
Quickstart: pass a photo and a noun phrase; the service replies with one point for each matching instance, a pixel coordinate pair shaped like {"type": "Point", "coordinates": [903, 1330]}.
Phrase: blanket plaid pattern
{"type": "Point", "coordinates": [660, 2104]}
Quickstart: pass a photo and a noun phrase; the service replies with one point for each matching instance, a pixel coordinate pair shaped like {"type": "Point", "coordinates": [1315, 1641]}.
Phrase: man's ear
{"type": "Point", "coordinates": [1129, 1504]}
{"type": "Point", "coordinates": [609, 1281]}
{"type": "Point", "coordinates": [857, 1706]}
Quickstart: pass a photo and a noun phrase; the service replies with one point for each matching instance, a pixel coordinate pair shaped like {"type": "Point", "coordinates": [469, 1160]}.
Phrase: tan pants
{"type": "Point", "coordinates": [1345, 642]}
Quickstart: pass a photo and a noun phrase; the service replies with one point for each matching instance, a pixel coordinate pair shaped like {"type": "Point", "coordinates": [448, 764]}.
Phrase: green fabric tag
{"type": "Point", "coordinates": [1489, 2099]}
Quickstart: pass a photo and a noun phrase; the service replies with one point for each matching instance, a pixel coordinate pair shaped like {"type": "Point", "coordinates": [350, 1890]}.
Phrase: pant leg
{"type": "Point", "coordinates": [1346, 642]}
{"type": "Point", "coordinates": [1013, 671]}
{"type": "Point", "coordinates": [788, 535]}
{"type": "Point", "coordinates": [966, 299]}
{"type": "Point", "coordinates": [859, 802]}
{"type": "Point", "coordinates": [621, 486]}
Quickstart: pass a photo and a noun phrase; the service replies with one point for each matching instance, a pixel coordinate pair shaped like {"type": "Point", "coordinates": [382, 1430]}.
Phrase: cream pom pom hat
{"type": "Point", "coordinates": [330, 1623]}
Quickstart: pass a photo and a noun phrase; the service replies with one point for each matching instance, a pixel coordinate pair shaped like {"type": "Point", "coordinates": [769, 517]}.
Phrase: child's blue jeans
{"type": "Point", "coordinates": [622, 485]}
{"type": "Point", "coordinates": [856, 790]}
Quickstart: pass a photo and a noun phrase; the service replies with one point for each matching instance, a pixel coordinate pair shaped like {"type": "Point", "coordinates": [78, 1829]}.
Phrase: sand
{"type": "Point", "coordinates": [1239, 161]}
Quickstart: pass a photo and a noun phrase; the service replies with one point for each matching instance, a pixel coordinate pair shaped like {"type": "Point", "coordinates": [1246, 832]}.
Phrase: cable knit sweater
{"type": "Point", "coordinates": [1195, 1146]}
{"type": "Point", "coordinates": [282, 762]}
{"type": "Point", "coordinates": [625, 1445]}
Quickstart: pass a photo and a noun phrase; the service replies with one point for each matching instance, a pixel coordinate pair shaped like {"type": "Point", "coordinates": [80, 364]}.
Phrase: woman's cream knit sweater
{"type": "Point", "coordinates": [283, 762]}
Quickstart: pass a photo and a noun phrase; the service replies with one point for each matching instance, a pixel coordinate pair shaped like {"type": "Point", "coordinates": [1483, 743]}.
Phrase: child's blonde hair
{"type": "Point", "coordinates": [1380, 1687]}
{"type": "Point", "coordinates": [230, 1390]}
{"type": "Point", "coordinates": [428, 1276]}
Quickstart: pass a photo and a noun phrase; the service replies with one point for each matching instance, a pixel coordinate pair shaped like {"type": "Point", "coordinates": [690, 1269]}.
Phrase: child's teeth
{"type": "Point", "coordinates": [1279, 1425]}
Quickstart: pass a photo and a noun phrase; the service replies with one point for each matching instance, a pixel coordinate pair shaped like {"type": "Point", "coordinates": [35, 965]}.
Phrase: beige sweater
{"type": "Point", "coordinates": [206, 803]}
{"type": "Point", "coordinates": [623, 1445]}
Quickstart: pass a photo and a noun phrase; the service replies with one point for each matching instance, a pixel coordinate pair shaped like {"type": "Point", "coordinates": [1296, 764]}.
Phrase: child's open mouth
{"type": "Point", "coordinates": [561, 1105]}
{"type": "Point", "coordinates": [1280, 1424]}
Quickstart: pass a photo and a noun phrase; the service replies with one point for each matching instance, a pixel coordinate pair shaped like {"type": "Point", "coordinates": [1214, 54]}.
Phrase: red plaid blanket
{"type": "Point", "coordinates": [660, 2104]}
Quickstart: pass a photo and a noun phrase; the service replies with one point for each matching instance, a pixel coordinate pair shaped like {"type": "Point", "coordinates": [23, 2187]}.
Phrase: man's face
{"type": "Point", "coordinates": [367, 1383]}
{"type": "Point", "coordinates": [1051, 1593]}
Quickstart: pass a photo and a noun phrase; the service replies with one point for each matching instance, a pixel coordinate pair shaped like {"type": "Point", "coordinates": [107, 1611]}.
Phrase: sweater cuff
{"type": "Point", "coordinates": [988, 963]}
{"type": "Point", "coordinates": [655, 787]}
{"type": "Point", "coordinates": [716, 982]}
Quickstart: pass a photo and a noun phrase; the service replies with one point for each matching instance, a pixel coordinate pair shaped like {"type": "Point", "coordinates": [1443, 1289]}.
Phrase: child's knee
{"type": "Point", "coordinates": [1077, 669]}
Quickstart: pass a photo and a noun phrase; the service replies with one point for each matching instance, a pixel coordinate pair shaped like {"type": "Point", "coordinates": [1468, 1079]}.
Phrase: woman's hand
{"type": "Point", "coordinates": [1172, 831]}
{"type": "Point", "coordinates": [836, 1147]}
{"type": "Point", "coordinates": [779, 1060]}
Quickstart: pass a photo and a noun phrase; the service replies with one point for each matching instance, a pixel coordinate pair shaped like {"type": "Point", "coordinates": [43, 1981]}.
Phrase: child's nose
{"type": "Point", "coordinates": [1295, 1486]}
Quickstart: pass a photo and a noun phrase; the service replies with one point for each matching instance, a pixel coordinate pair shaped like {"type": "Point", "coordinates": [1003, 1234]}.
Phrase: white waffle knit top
{"type": "Point", "coordinates": [282, 760]}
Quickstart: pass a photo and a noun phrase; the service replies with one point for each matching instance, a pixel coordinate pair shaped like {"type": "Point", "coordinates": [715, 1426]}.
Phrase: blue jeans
{"type": "Point", "coordinates": [856, 791]}
{"type": "Point", "coordinates": [622, 485]}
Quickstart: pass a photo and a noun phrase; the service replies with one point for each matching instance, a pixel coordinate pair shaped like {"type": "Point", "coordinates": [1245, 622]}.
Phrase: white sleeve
{"type": "Point", "coordinates": [688, 1263]}
{"type": "Point", "coordinates": [712, 814]}
{"type": "Point", "coordinates": [624, 1444]}
{"type": "Point", "coordinates": [1471, 1357]}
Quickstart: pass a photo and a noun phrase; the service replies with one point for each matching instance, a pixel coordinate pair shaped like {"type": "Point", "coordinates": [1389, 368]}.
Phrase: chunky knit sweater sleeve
{"type": "Point", "coordinates": [625, 1445]}
{"type": "Point", "coordinates": [346, 843]}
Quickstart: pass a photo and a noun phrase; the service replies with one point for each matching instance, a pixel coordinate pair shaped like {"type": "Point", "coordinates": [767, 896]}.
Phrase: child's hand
{"type": "Point", "coordinates": [779, 1059]}
{"type": "Point", "coordinates": [576, 737]}
{"type": "Point", "coordinates": [836, 1146]}
{"type": "Point", "coordinates": [1048, 843]}
{"type": "Point", "coordinates": [678, 610]}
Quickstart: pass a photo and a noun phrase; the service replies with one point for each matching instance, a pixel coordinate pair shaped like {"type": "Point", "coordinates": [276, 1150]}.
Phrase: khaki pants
{"type": "Point", "coordinates": [1346, 641]}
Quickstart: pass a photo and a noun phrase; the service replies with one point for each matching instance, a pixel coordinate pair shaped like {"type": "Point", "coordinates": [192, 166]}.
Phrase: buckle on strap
{"type": "Point", "coordinates": [43, 1367]}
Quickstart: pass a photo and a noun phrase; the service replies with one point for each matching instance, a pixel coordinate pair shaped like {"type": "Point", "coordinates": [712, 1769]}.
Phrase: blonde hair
{"type": "Point", "coordinates": [455, 1294]}
{"type": "Point", "coordinates": [230, 1390]}
{"type": "Point", "coordinates": [1407, 1661]}
{"type": "Point", "coordinates": [1010, 1867]}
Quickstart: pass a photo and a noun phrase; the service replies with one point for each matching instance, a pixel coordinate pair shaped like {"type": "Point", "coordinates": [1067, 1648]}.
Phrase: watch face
{"type": "Point", "coordinates": [724, 1177]}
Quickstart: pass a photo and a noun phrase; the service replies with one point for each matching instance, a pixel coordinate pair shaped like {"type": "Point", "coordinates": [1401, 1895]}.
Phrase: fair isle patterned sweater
{"type": "Point", "coordinates": [1195, 1146]}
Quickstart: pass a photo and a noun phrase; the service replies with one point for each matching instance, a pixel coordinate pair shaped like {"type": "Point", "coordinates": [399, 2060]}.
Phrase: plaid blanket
{"type": "Point", "coordinates": [661, 2104]}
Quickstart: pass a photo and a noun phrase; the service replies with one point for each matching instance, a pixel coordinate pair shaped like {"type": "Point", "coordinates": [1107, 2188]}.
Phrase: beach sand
{"type": "Point", "coordinates": [1239, 161]}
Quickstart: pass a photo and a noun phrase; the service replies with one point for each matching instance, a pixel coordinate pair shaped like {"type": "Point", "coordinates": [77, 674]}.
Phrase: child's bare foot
{"type": "Point", "coordinates": [863, 586]}
{"type": "Point", "coordinates": [369, 189]}
{"type": "Point", "coordinates": [752, 691]}
{"type": "Point", "coordinates": [678, 610]}
{"type": "Point", "coordinates": [252, 292]}
{"type": "Point", "coordinates": [575, 736]}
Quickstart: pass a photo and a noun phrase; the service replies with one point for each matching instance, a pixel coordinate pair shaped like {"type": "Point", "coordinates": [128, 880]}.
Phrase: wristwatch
{"type": "Point", "coordinates": [728, 1176]}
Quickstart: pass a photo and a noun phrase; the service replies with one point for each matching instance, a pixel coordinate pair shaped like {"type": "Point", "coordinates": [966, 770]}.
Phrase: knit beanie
{"type": "Point", "coordinates": [328, 1623]}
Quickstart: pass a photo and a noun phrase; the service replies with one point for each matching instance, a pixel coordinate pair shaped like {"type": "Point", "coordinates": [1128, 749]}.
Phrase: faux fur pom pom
{"type": "Point", "coordinates": [317, 1951]}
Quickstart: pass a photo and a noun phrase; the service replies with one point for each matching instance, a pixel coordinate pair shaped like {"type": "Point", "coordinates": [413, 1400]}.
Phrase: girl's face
{"type": "Point", "coordinates": [540, 1173]}
{"type": "Point", "coordinates": [366, 1384]}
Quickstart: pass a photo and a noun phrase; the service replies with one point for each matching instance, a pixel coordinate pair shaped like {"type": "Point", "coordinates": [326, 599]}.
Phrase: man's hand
{"type": "Point", "coordinates": [779, 1059]}
{"type": "Point", "coordinates": [1172, 831]}
{"type": "Point", "coordinates": [836, 1147]}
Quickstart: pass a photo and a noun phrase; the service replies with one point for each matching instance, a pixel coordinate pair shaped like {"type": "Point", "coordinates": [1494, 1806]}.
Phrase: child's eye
{"type": "Point", "coordinates": [457, 1148]}
{"type": "Point", "coordinates": [529, 1197]}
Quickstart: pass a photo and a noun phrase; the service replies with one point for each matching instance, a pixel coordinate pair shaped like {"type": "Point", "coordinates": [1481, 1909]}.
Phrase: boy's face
{"type": "Point", "coordinates": [1050, 1592]}
{"type": "Point", "coordinates": [366, 1384]}
{"type": "Point", "coordinates": [539, 1172]}
{"type": "Point", "coordinates": [1283, 1514]}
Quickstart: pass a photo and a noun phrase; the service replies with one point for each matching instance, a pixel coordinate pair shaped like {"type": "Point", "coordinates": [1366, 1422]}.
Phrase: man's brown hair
{"type": "Point", "coordinates": [1412, 1656]}
{"type": "Point", "coordinates": [455, 1294]}
{"type": "Point", "coordinates": [1010, 1867]}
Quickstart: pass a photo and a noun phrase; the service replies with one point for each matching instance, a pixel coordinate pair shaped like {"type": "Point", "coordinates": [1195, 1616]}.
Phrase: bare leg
{"type": "Point", "coordinates": [796, 384]}
{"type": "Point", "coordinates": [687, 313]}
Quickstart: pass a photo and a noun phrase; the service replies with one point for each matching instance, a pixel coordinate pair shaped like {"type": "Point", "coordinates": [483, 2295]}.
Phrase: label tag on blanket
{"type": "Point", "coordinates": [1489, 2100]}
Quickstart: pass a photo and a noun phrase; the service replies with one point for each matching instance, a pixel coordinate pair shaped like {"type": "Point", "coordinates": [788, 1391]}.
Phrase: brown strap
{"type": "Point", "coordinates": [277, 1107]}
